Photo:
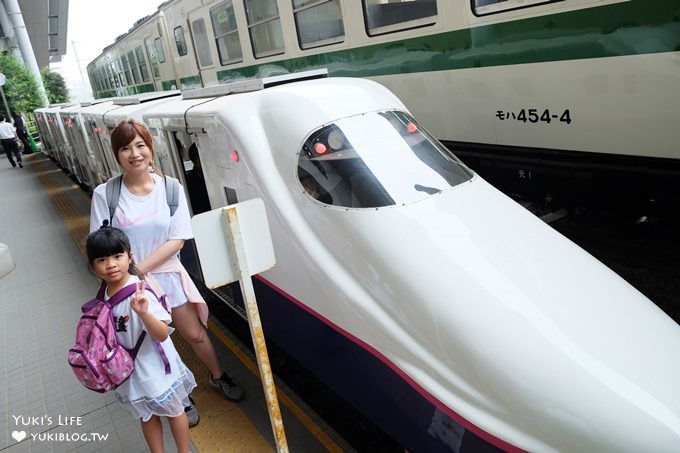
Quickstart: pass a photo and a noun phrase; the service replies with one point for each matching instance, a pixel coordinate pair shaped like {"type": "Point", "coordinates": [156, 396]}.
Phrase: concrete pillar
{"type": "Point", "coordinates": [17, 20]}
{"type": "Point", "coordinates": [6, 262]}
{"type": "Point", "coordinates": [7, 27]}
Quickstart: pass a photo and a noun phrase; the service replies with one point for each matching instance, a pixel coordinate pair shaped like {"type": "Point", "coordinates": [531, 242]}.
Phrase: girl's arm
{"type": "Point", "coordinates": [140, 304]}
{"type": "Point", "coordinates": [159, 256]}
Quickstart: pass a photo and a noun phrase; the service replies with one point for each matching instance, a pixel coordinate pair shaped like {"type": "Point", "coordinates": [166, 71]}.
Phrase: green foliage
{"type": "Point", "coordinates": [55, 86]}
{"type": "Point", "coordinates": [21, 88]}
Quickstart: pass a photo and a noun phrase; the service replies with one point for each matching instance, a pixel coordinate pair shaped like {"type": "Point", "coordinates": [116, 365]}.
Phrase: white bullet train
{"type": "Point", "coordinates": [442, 310]}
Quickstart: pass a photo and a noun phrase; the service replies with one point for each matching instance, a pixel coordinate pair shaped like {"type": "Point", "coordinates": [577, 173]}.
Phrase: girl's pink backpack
{"type": "Point", "coordinates": [99, 362]}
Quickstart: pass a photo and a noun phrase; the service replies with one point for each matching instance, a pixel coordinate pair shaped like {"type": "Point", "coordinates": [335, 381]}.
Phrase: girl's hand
{"type": "Point", "coordinates": [139, 302]}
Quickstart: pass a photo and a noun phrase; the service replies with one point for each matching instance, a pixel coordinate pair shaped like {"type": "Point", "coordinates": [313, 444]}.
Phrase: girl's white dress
{"type": "Point", "coordinates": [149, 391]}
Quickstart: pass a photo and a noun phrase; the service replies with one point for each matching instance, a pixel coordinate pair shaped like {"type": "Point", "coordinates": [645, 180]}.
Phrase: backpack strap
{"type": "Point", "coordinates": [114, 184]}
{"type": "Point", "coordinates": [172, 193]}
{"type": "Point", "coordinates": [121, 295]}
{"type": "Point", "coordinates": [113, 195]}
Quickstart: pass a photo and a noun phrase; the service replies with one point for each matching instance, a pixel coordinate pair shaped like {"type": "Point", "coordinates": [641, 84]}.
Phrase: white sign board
{"type": "Point", "coordinates": [216, 248]}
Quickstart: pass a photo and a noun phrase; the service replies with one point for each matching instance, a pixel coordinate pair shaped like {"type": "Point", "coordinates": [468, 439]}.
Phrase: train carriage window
{"type": "Point", "coordinates": [180, 41]}
{"type": "Point", "coordinates": [374, 160]}
{"type": "Point", "coordinates": [115, 82]}
{"type": "Point", "coordinates": [396, 15]}
{"type": "Point", "coordinates": [264, 27]}
{"type": "Point", "coordinates": [126, 70]}
{"type": "Point", "coordinates": [142, 63]}
{"type": "Point", "coordinates": [484, 7]}
{"type": "Point", "coordinates": [226, 33]}
{"type": "Point", "coordinates": [119, 70]}
{"type": "Point", "coordinates": [202, 44]}
{"type": "Point", "coordinates": [110, 82]}
{"type": "Point", "coordinates": [97, 74]}
{"type": "Point", "coordinates": [134, 67]}
{"type": "Point", "coordinates": [151, 50]}
{"type": "Point", "coordinates": [158, 45]}
{"type": "Point", "coordinates": [318, 22]}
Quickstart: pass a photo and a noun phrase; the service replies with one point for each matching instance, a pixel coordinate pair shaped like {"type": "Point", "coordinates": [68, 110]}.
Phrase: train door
{"type": "Point", "coordinates": [103, 157]}
{"type": "Point", "coordinates": [62, 143]}
{"type": "Point", "coordinates": [73, 165]}
{"type": "Point", "coordinates": [78, 149]}
{"type": "Point", "coordinates": [199, 26]}
{"type": "Point", "coordinates": [44, 132]}
{"type": "Point", "coordinates": [227, 182]}
{"type": "Point", "coordinates": [162, 69]}
{"type": "Point", "coordinates": [172, 145]}
{"type": "Point", "coordinates": [100, 138]}
{"type": "Point", "coordinates": [52, 126]}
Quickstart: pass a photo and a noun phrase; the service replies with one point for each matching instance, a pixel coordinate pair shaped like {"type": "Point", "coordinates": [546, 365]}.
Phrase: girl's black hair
{"type": "Point", "coordinates": [107, 241]}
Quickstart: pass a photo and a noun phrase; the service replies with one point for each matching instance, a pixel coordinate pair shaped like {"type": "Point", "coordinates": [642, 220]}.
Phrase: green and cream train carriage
{"type": "Point", "coordinates": [524, 90]}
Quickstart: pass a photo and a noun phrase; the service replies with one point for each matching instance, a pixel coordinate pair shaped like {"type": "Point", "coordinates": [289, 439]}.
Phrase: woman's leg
{"type": "Point", "coordinates": [153, 434]}
{"type": "Point", "coordinates": [185, 318]}
{"type": "Point", "coordinates": [187, 322]}
{"type": "Point", "coordinates": [180, 431]}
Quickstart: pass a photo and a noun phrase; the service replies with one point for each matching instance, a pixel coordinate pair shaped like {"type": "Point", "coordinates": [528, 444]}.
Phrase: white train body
{"type": "Point", "coordinates": [487, 313]}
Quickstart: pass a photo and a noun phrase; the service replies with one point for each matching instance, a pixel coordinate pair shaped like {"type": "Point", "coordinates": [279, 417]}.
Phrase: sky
{"type": "Point", "coordinates": [93, 25]}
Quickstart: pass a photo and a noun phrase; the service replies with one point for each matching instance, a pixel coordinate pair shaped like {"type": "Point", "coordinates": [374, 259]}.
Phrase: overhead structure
{"type": "Point", "coordinates": [34, 31]}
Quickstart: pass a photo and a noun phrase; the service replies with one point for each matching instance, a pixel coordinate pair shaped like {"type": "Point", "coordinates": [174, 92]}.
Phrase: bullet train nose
{"type": "Point", "coordinates": [518, 330]}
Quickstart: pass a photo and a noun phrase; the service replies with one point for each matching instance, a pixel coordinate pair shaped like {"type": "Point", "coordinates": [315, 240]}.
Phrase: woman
{"type": "Point", "coordinates": [156, 239]}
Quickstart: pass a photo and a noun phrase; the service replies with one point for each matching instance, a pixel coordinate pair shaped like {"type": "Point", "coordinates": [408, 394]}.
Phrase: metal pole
{"type": "Point", "coordinates": [256, 332]}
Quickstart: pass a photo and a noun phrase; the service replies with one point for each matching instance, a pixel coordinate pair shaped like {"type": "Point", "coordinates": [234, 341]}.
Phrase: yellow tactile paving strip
{"type": "Point", "coordinates": [223, 426]}
{"type": "Point", "coordinates": [77, 222]}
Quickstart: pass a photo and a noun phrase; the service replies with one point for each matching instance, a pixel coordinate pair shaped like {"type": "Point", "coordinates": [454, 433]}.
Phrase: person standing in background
{"type": "Point", "coordinates": [8, 136]}
{"type": "Point", "coordinates": [22, 131]}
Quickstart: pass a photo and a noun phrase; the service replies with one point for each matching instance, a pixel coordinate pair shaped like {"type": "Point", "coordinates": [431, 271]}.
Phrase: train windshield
{"type": "Point", "coordinates": [376, 159]}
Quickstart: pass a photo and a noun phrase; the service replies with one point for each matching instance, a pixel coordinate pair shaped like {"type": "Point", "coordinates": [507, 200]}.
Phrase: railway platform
{"type": "Point", "coordinates": [44, 221]}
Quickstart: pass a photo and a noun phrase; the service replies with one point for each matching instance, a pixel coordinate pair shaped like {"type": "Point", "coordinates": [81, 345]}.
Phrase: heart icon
{"type": "Point", "coordinates": [19, 435]}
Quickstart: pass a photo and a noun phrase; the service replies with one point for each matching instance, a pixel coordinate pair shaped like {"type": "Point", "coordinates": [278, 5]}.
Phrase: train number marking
{"type": "Point", "coordinates": [534, 116]}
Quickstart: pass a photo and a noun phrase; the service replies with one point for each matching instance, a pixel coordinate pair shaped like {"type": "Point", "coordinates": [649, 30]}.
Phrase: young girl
{"type": "Point", "coordinates": [149, 393]}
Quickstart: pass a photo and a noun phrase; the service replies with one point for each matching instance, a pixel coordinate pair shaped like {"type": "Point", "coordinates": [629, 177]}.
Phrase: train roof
{"type": "Point", "coordinates": [135, 110]}
{"type": "Point", "coordinates": [276, 119]}
{"type": "Point", "coordinates": [311, 101]}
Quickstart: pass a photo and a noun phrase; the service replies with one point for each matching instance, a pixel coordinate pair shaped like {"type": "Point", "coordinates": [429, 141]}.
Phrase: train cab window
{"type": "Point", "coordinates": [396, 15]}
{"type": "Point", "coordinates": [264, 27]}
{"type": "Point", "coordinates": [181, 43]}
{"type": "Point", "coordinates": [318, 22]}
{"type": "Point", "coordinates": [374, 160]}
{"type": "Point", "coordinates": [202, 44]}
{"type": "Point", "coordinates": [226, 33]}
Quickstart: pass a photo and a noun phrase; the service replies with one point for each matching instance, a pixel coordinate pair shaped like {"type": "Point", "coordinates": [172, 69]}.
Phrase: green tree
{"type": "Point", "coordinates": [21, 88]}
{"type": "Point", "coordinates": [55, 86]}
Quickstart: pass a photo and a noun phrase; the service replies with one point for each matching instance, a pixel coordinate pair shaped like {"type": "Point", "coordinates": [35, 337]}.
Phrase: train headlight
{"type": "Point", "coordinates": [335, 139]}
